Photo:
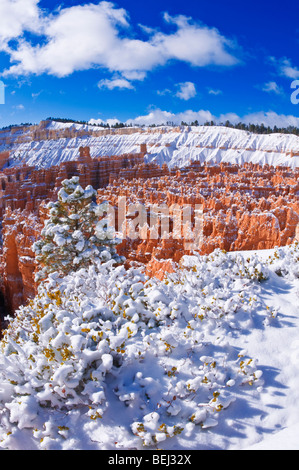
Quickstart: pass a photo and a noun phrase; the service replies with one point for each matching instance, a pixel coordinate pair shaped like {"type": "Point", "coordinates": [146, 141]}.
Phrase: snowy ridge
{"type": "Point", "coordinates": [173, 146]}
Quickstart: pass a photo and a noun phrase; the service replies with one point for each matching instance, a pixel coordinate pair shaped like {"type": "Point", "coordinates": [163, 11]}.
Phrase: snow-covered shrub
{"type": "Point", "coordinates": [76, 232]}
{"type": "Point", "coordinates": [108, 352]}
{"type": "Point", "coordinates": [251, 268]}
{"type": "Point", "coordinates": [244, 267]}
{"type": "Point", "coordinates": [285, 261]}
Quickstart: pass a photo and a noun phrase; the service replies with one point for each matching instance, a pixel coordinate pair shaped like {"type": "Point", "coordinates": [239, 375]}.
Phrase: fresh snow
{"type": "Point", "coordinates": [207, 359]}
{"type": "Point", "coordinates": [212, 144]}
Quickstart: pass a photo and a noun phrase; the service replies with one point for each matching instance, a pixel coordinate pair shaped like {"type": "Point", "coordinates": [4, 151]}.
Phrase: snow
{"type": "Point", "coordinates": [63, 242]}
{"type": "Point", "coordinates": [164, 145]}
{"type": "Point", "coordinates": [105, 358]}
{"type": "Point", "coordinates": [286, 439]}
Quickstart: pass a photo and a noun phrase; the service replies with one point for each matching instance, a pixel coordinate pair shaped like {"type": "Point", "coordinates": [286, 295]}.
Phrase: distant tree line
{"type": "Point", "coordinates": [64, 120]}
{"type": "Point", "coordinates": [11, 126]}
{"type": "Point", "coordinates": [254, 128]}
{"type": "Point", "coordinates": [98, 124]}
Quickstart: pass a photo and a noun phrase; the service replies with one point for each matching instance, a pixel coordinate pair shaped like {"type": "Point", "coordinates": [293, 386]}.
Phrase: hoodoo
{"type": "Point", "coordinates": [245, 207]}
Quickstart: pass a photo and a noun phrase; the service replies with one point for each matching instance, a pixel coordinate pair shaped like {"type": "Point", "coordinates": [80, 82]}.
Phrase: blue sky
{"type": "Point", "coordinates": [149, 62]}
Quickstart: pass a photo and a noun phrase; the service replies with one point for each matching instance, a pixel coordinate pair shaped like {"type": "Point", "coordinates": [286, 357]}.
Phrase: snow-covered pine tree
{"type": "Point", "coordinates": [76, 233]}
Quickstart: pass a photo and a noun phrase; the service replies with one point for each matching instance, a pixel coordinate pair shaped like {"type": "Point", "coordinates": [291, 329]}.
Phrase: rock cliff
{"type": "Point", "coordinates": [23, 193]}
{"type": "Point", "coordinates": [245, 207]}
{"type": "Point", "coordinates": [51, 143]}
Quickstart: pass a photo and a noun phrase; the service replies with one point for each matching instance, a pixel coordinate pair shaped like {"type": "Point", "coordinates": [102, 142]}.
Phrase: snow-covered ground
{"type": "Point", "coordinates": [164, 145]}
{"type": "Point", "coordinates": [206, 359]}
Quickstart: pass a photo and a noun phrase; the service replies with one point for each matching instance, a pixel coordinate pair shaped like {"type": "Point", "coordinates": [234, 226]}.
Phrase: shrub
{"type": "Point", "coordinates": [76, 233]}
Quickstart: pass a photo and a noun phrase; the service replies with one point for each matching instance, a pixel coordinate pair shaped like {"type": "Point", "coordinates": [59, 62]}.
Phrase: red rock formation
{"type": "Point", "coordinates": [159, 268]}
{"type": "Point", "coordinates": [245, 207]}
{"type": "Point", "coordinates": [19, 231]}
{"type": "Point", "coordinates": [4, 156]}
{"type": "Point", "coordinates": [23, 191]}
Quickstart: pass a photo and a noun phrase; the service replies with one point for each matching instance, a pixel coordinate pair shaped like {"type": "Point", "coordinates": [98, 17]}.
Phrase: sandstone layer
{"type": "Point", "coordinates": [50, 143]}
{"type": "Point", "coordinates": [247, 207]}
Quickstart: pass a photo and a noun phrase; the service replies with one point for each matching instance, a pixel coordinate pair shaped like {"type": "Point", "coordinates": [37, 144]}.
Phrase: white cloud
{"type": "Point", "coordinates": [78, 38]}
{"type": "Point", "coordinates": [196, 44]}
{"type": "Point", "coordinates": [36, 95]}
{"type": "Point", "coordinates": [272, 87]}
{"type": "Point", "coordinates": [115, 83]}
{"type": "Point", "coordinates": [158, 117]}
{"type": "Point", "coordinates": [268, 118]}
{"type": "Point", "coordinates": [17, 16]}
{"type": "Point", "coordinates": [164, 92]}
{"type": "Point", "coordinates": [111, 121]}
{"type": "Point", "coordinates": [19, 107]}
{"type": "Point", "coordinates": [134, 74]}
{"type": "Point", "coordinates": [232, 117]}
{"type": "Point", "coordinates": [271, 119]}
{"type": "Point", "coordinates": [291, 72]}
{"type": "Point", "coordinates": [285, 68]}
{"type": "Point", "coordinates": [186, 90]}
{"type": "Point", "coordinates": [99, 35]}
{"type": "Point", "coordinates": [214, 92]}
{"type": "Point", "coordinates": [288, 70]}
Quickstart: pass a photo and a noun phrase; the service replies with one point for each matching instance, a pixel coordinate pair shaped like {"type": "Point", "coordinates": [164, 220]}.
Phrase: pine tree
{"type": "Point", "coordinates": [76, 233]}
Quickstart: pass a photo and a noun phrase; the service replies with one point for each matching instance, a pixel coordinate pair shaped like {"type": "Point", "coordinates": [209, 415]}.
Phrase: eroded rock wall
{"type": "Point", "coordinates": [24, 192]}
{"type": "Point", "coordinates": [245, 207]}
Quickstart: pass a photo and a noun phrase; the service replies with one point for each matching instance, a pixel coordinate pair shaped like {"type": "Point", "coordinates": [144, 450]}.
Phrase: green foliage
{"type": "Point", "coordinates": [76, 232]}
